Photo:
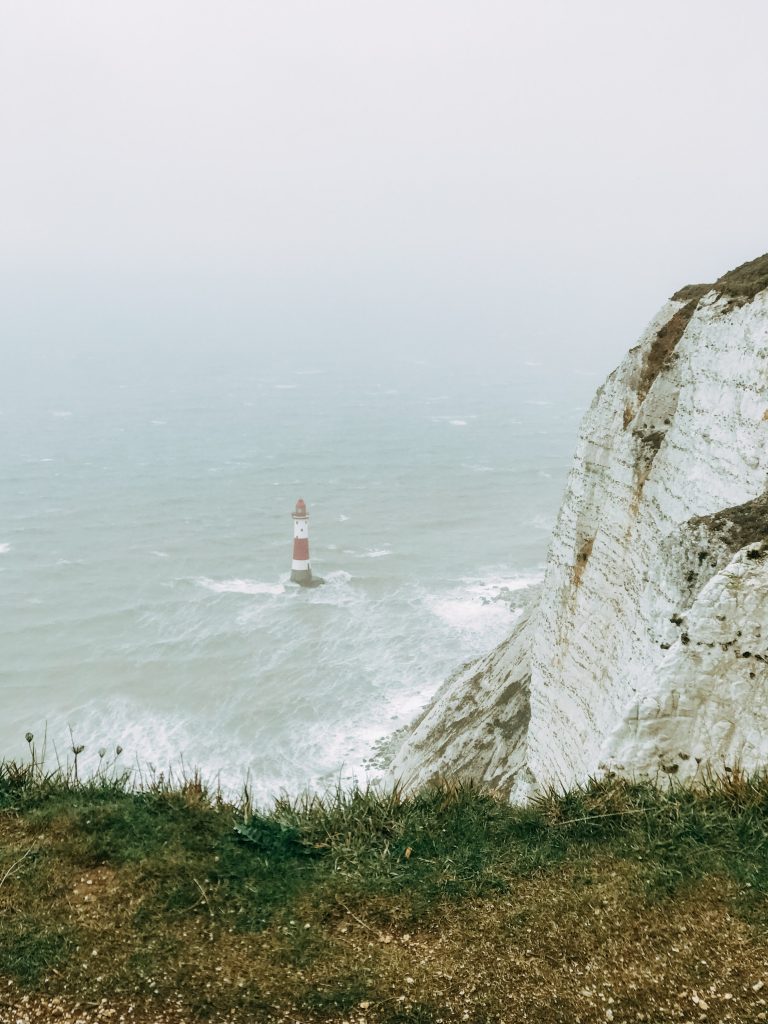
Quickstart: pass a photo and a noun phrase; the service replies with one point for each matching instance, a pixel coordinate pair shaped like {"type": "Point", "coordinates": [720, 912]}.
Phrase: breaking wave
{"type": "Point", "coordinates": [241, 586]}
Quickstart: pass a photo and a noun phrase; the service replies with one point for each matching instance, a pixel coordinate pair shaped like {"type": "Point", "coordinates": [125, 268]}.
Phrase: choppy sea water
{"type": "Point", "coordinates": [145, 545]}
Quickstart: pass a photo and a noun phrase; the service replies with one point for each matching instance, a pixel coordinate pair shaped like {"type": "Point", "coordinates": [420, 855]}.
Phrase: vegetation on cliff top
{"type": "Point", "coordinates": [617, 902]}
{"type": "Point", "coordinates": [740, 285]}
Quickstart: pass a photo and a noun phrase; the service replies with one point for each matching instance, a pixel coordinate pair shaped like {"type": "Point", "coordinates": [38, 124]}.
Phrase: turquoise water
{"type": "Point", "coordinates": [145, 545]}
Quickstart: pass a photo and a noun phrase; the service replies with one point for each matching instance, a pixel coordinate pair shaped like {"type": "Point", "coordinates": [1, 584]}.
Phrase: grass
{"type": "Point", "coordinates": [739, 285]}
{"type": "Point", "coordinates": [616, 901]}
{"type": "Point", "coordinates": [745, 281]}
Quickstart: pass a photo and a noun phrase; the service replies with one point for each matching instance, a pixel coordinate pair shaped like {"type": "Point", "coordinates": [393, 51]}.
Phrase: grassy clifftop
{"type": "Point", "coordinates": [740, 285]}
{"type": "Point", "coordinates": [614, 903]}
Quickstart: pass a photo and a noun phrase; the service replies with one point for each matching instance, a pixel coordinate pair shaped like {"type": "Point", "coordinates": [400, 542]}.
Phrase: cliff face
{"type": "Point", "coordinates": [648, 649]}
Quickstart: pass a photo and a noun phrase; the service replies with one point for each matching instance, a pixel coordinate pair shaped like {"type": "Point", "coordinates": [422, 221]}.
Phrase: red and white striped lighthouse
{"type": "Point", "coordinates": [300, 570]}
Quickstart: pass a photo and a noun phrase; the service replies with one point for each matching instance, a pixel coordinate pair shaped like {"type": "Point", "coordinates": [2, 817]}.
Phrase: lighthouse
{"type": "Point", "coordinates": [300, 570]}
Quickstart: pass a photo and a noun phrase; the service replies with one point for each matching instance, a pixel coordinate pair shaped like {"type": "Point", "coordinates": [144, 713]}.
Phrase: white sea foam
{"type": "Point", "coordinates": [285, 387]}
{"type": "Point", "coordinates": [458, 423]}
{"type": "Point", "coordinates": [486, 608]}
{"type": "Point", "coordinates": [159, 554]}
{"type": "Point", "coordinates": [361, 685]}
{"type": "Point", "coordinates": [4, 549]}
{"type": "Point", "coordinates": [470, 615]}
{"type": "Point", "coordinates": [403, 706]}
{"type": "Point", "coordinates": [150, 741]}
{"type": "Point", "coordinates": [338, 577]}
{"type": "Point", "coordinates": [60, 413]}
{"type": "Point", "coordinates": [343, 518]}
{"type": "Point", "coordinates": [376, 553]}
{"type": "Point", "coordinates": [496, 585]}
{"type": "Point", "coordinates": [336, 592]}
{"type": "Point", "coordinates": [240, 586]}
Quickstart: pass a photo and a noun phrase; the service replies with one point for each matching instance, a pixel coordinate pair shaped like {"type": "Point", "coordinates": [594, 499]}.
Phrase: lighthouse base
{"type": "Point", "coordinates": [305, 578]}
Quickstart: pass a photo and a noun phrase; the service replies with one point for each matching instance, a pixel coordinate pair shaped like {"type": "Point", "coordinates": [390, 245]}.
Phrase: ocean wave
{"type": "Point", "coordinates": [375, 553]}
{"type": "Point", "coordinates": [458, 423]}
{"type": "Point", "coordinates": [336, 591]}
{"type": "Point", "coordinates": [240, 586]}
{"type": "Point", "coordinates": [498, 585]}
{"type": "Point", "coordinates": [283, 722]}
{"type": "Point", "coordinates": [4, 549]}
{"type": "Point", "coordinates": [150, 739]}
{"type": "Point", "coordinates": [338, 577]}
{"type": "Point", "coordinates": [468, 614]}
{"type": "Point", "coordinates": [487, 608]}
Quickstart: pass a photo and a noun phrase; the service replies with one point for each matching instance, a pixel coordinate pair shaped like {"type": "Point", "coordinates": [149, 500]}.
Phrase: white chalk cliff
{"type": "Point", "coordinates": [647, 651]}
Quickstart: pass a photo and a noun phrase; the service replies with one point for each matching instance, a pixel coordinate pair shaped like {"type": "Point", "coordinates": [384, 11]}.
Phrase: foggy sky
{"type": "Point", "coordinates": [484, 175]}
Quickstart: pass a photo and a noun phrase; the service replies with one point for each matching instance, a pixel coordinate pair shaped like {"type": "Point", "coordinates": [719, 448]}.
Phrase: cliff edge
{"type": "Point", "coordinates": [647, 652]}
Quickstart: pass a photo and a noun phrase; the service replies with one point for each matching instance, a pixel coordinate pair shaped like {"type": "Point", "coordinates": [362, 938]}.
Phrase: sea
{"type": "Point", "coordinates": [145, 550]}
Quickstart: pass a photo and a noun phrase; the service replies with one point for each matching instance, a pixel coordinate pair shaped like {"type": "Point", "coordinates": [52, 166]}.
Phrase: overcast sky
{"type": "Point", "coordinates": [484, 175]}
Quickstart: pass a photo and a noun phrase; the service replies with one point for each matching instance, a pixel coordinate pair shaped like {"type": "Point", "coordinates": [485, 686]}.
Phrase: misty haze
{"type": "Point", "coordinates": [379, 259]}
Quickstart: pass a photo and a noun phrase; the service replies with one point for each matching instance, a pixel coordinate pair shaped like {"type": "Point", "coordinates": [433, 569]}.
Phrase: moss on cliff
{"type": "Point", "coordinates": [740, 525]}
